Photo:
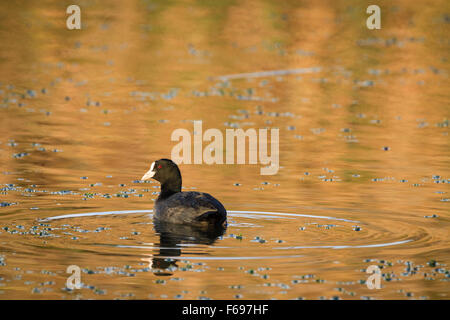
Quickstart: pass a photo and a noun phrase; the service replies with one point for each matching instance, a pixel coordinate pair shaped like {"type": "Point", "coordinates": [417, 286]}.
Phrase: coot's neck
{"type": "Point", "coordinates": [170, 187]}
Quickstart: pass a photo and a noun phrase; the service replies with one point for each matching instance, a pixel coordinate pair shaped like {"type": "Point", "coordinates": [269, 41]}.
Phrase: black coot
{"type": "Point", "coordinates": [172, 205]}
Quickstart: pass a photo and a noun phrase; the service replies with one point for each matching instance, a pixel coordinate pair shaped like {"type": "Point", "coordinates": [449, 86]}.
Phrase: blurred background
{"type": "Point", "coordinates": [363, 118]}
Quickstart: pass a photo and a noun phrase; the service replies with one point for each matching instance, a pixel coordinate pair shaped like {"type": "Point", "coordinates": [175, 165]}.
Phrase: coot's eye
{"type": "Point", "coordinates": [159, 166]}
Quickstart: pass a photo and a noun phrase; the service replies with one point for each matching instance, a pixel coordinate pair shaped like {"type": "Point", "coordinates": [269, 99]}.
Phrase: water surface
{"type": "Point", "coordinates": [364, 149]}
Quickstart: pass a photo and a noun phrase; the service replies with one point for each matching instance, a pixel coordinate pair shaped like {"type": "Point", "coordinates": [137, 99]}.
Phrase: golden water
{"type": "Point", "coordinates": [363, 141]}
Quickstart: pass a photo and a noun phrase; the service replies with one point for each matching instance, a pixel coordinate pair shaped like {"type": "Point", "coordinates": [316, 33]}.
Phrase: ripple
{"type": "Point", "coordinates": [92, 214]}
{"type": "Point", "coordinates": [373, 235]}
{"type": "Point", "coordinates": [252, 214]}
{"type": "Point", "coordinates": [231, 213]}
{"type": "Point", "coordinates": [270, 73]}
{"type": "Point", "coordinates": [387, 244]}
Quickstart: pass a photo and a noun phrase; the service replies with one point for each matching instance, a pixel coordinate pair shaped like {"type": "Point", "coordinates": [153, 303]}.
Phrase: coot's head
{"type": "Point", "coordinates": [165, 171]}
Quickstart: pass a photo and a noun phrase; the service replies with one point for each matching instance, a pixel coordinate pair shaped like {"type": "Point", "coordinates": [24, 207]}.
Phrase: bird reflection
{"type": "Point", "coordinates": [172, 235]}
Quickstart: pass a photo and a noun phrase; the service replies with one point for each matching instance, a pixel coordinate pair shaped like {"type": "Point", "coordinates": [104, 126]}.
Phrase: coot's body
{"type": "Point", "coordinates": [190, 207]}
{"type": "Point", "coordinates": [174, 206]}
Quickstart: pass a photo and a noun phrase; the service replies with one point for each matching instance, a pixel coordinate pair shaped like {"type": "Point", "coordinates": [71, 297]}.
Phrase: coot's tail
{"type": "Point", "coordinates": [212, 217]}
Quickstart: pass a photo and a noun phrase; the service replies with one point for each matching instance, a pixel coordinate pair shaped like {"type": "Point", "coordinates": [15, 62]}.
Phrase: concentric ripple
{"type": "Point", "coordinates": [246, 231]}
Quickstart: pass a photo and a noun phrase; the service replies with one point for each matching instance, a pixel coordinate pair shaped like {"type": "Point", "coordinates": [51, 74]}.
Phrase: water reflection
{"type": "Point", "coordinates": [363, 146]}
{"type": "Point", "coordinates": [172, 237]}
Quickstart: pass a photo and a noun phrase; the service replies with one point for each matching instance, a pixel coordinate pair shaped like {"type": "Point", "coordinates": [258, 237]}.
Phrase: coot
{"type": "Point", "coordinates": [172, 205]}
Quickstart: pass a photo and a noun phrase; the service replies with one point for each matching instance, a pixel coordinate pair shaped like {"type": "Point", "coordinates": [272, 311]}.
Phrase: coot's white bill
{"type": "Point", "coordinates": [150, 173]}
